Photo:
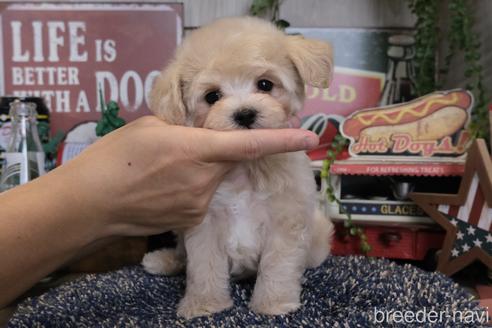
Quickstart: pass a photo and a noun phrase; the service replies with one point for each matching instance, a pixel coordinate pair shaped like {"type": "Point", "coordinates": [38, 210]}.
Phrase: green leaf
{"type": "Point", "coordinates": [260, 7]}
{"type": "Point", "coordinates": [365, 247]}
{"type": "Point", "coordinates": [282, 24]}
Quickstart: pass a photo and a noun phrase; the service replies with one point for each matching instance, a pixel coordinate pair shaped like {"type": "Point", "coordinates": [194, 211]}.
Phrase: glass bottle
{"type": "Point", "coordinates": [399, 83]}
{"type": "Point", "coordinates": [24, 158]}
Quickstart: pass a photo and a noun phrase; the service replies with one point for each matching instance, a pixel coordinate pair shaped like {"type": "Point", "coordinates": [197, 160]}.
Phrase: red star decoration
{"type": "Point", "coordinates": [478, 164]}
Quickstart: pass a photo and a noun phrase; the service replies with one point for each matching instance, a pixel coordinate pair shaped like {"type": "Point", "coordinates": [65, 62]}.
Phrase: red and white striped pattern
{"type": "Point", "coordinates": [475, 210]}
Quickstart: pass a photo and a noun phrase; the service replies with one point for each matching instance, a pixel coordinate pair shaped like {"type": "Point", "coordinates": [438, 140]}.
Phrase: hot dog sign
{"type": "Point", "coordinates": [431, 126]}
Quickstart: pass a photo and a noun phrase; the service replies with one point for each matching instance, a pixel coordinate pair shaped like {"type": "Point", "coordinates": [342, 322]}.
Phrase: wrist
{"type": "Point", "coordinates": [68, 206]}
{"type": "Point", "coordinates": [42, 229]}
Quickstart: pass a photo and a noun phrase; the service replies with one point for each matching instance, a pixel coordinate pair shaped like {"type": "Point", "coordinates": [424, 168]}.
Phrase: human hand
{"type": "Point", "coordinates": [149, 177]}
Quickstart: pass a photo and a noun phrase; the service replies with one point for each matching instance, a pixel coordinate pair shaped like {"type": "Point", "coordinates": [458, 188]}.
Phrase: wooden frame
{"type": "Point", "coordinates": [478, 162]}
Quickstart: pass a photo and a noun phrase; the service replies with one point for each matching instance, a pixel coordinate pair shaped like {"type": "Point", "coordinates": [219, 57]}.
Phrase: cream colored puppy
{"type": "Point", "coordinates": [243, 73]}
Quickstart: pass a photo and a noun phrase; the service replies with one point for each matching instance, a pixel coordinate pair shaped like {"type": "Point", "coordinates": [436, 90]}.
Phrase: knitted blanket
{"type": "Point", "coordinates": [342, 292]}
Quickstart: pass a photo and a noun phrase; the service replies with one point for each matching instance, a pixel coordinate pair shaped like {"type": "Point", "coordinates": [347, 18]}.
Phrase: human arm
{"type": "Point", "coordinates": [144, 178]}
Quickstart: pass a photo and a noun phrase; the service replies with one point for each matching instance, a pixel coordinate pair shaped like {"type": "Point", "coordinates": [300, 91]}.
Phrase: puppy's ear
{"type": "Point", "coordinates": [166, 99]}
{"type": "Point", "coordinates": [313, 60]}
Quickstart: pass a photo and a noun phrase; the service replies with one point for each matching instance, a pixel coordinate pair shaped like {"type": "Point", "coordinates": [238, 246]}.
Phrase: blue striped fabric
{"type": "Point", "coordinates": [343, 292]}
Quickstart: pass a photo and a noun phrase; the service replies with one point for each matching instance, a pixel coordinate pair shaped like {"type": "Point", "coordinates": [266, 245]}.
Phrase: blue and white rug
{"type": "Point", "coordinates": [343, 292]}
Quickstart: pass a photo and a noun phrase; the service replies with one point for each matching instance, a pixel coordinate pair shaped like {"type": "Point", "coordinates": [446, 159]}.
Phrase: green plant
{"type": "Point", "coordinates": [462, 40]}
{"type": "Point", "coordinates": [262, 8]}
{"type": "Point", "coordinates": [426, 44]}
{"type": "Point", "coordinates": [337, 146]}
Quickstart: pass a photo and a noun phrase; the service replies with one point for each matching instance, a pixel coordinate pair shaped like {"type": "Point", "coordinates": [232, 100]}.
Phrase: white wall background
{"type": "Point", "coordinates": [300, 13]}
{"type": "Point", "coordinates": [340, 13]}
{"type": "Point", "coordinates": [482, 11]}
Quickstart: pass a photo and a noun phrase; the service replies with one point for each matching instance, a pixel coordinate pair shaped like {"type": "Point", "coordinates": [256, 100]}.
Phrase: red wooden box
{"type": "Point", "coordinates": [390, 242]}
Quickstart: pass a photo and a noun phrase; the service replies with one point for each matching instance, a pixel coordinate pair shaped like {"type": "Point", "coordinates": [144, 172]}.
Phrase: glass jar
{"type": "Point", "coordinates": [24, 157]}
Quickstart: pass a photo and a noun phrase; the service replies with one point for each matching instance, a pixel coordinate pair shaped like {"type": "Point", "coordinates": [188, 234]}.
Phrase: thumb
{"type": "Point", "coordinates": [251, 144]}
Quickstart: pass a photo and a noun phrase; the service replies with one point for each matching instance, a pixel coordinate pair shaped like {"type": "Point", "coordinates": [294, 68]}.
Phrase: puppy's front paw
{"type": "Point", "coordinates": [164, 261]}
{"type": "Point", "coordinates": [193, 306]}
{"type": "Point", "coordinates": [273, 307]}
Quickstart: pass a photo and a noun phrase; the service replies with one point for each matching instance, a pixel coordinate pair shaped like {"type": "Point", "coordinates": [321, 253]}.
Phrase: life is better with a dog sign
{"type": "Point", "coordinates": [65, 51]}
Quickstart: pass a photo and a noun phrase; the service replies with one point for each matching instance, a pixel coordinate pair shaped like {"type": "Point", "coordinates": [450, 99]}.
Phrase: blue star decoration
{"type": "Point", "coordinates": [465, 242]}
{"type": "Point", "coordinates": [468, 236]}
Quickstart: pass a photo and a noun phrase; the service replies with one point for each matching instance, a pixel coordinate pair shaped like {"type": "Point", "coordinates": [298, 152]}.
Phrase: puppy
{"type": "Point", "coordinates": [244, 73]}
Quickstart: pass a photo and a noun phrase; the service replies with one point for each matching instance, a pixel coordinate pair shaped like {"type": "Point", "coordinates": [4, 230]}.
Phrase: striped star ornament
{"type": "Point", "coordinates": [466, 216]}
{"type": "Point", "coordinates": [469, 236]}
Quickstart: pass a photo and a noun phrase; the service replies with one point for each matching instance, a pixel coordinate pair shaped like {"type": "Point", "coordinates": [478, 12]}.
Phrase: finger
{"type": "Point", "coordinates": [149, 121]}
{"type": "Point", "coordinates": [252, 144]}
{"type": "Point", "coordinates": [294, 122]}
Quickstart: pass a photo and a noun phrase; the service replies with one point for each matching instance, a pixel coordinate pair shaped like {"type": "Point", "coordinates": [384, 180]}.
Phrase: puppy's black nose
{"type": "Point", "coordinates": [245, 117]}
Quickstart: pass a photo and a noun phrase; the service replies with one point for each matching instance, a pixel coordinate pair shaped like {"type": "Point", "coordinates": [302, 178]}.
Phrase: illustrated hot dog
{"type": "Point", "coordinates": [428, 118]}
{"type": "Point", "coordinates": [441, 123]}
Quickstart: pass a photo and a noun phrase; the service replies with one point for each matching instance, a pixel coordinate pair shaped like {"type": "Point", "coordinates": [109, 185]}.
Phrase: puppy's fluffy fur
{"type": "Point", "coordinates": [263, 217]}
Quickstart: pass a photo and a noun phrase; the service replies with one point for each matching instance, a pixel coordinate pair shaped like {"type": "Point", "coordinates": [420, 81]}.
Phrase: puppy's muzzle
{"type": "Point", "coordinates": [245, 117]}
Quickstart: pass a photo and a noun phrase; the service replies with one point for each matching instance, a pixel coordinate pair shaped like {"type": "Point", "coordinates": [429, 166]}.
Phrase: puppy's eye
{"type": "Point", "coordinates": [265, 85]}
{"type": "Point", "coordinates": [212, 97]}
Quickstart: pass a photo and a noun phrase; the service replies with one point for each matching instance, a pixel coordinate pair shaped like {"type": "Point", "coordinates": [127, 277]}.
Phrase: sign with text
{"type": "Point", "coordinates": [64, 52]}
{"type": "Point", "coordinates": [361, 65]}
{"type": "Point", "coordinates": [351, 89]}
{"type": "Point", "coordinates": [430, 126]}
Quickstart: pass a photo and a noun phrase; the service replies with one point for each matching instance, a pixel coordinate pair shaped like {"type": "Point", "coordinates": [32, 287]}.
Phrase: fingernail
{"type": "Point", "coordinates": [310, 142]}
